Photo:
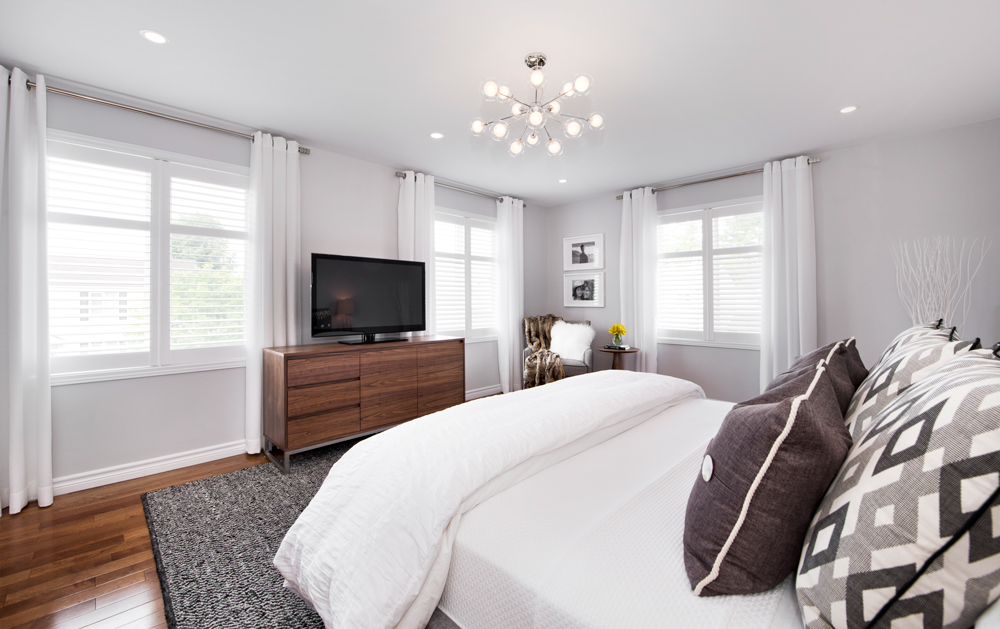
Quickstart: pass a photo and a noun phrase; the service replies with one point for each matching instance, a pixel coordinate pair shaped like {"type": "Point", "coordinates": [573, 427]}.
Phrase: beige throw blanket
{"type": "Point", "coordinates": [542, 365]}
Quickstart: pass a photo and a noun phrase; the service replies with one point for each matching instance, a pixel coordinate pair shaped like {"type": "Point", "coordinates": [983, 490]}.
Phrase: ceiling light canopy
{"type": "Point", "coordinates": [154, 37]}
{"type": "Point", "coordinates": [848, 109]}
{"type": "Point", "coordinates": [538, 114]}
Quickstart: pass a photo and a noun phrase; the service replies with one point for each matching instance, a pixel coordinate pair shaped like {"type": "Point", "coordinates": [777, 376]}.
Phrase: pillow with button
{"type": "Point", "coordinates": [762, 477]}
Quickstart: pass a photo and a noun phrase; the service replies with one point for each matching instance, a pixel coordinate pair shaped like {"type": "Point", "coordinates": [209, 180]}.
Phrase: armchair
{"type": "Point", "coordinates": [571, 367]}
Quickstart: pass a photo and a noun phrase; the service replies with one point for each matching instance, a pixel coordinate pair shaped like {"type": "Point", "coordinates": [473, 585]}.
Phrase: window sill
{"type": "Point", "coordinates": [82, 377]}
{"type": "Point", "coordinates": [480, 339]}
{"type": "Point", "coordinates": [720, 345]}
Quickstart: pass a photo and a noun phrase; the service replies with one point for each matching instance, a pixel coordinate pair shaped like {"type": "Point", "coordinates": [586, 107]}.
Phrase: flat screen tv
{"type": "Point", "coordinates": [366, 296]}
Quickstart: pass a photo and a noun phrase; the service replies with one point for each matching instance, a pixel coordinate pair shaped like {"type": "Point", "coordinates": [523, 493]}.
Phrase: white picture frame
{"type": "Point", "coordinates": [589, 248]}
{"type": "Point", "coordinates": [583, 290]}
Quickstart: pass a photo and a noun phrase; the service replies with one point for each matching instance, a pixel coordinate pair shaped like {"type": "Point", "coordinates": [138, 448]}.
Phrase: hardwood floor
{"type": "Point", "coordinates": [86, 561]}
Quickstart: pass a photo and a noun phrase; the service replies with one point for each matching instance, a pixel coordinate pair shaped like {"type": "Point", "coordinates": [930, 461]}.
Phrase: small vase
{"type": "Point", "coordinates": [617, 340]}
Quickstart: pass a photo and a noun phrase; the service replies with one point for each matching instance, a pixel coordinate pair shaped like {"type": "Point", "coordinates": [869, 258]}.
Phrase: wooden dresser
{"type": "Point", "coordinates": [315, 395]}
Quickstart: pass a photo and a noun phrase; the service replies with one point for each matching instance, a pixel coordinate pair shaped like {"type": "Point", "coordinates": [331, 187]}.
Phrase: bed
{"type": "Point", "coordinates": [505, 510]}
{"type": "Point", "coordinates": [564, 506]}
{"type": "Point", "coordinates": [595, 541]}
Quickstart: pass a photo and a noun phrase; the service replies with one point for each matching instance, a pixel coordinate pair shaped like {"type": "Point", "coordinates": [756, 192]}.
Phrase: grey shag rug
{"type": "Point", "coordinates": [214, 539]}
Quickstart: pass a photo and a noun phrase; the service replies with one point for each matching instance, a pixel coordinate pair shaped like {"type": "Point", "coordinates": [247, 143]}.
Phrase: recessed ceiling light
{"type": "Point", "coordinates": [437, 136]}
{"type": "Point", "coordinates": [847, 110]}
{"type": "Point", "coordinates": [562, 181]}
{"type": "Point", "coordinates": [154, 37]}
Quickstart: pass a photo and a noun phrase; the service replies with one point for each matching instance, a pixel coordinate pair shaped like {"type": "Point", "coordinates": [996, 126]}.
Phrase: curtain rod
{"type": "Point", "coordinates": [450, 187]}
{"type": "Point", "coordinates": [811, 160]}
{"type": "Point", "coordinates": [155, 114]}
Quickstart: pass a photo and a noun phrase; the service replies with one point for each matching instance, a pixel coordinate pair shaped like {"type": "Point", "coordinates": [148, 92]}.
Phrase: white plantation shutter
{"type": "Point", "coordinates": [99, 245]}
{"type": "Point", "coordinates": [122, 224]}
{"type": "Point", "coordinates": [465, 275]}
{"type": "Point", "coordinates": [208, 240]}
{"type": "Point", "coordinates": [709, 283]}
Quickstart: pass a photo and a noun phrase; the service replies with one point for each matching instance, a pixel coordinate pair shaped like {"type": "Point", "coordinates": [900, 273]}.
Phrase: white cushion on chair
{"type": "Point", "coordinates": [570, 340]}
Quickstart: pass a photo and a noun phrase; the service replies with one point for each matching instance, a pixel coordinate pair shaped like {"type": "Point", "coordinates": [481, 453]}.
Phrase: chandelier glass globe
{"type": "Point", "coordinates": [490, 89]}
{"type": "Point", "coordinates": [536, 117]}
{"type": "Point", "coordinates": [500, 130]}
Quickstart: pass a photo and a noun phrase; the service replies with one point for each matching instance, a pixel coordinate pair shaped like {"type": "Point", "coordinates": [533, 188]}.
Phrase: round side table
{"type": "Point", "coordinates": [616, 355]}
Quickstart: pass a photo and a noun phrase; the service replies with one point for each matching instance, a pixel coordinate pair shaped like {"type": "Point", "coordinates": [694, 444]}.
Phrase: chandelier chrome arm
{"type": "Point", "coordinates": [537, 113]}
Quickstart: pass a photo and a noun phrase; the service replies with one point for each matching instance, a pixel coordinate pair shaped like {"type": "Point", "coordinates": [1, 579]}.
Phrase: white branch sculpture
{"type": "Point", "coordinates": [934, 277]}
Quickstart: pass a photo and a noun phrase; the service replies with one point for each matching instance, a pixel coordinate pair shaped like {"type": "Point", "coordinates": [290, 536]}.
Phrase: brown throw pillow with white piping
{"type": "Point", "coordinates": [762, 477]}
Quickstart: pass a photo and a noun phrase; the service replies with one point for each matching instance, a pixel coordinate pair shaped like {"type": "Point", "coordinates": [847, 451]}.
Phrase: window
{"type": "Point", "coordinates": [146, 259]}
{"type": "Point", "coordinates": [709, 282]}
{"type": "Point", "coordinates": [465, 275]}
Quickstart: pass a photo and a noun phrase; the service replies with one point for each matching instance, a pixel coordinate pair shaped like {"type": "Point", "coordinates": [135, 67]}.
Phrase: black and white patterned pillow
{"type": "Point", "coordinates": [908, 364]}
{"type": "Point", "coordinates": [908, 534]}
{"type": "Point", "coordinates": [923, 330]}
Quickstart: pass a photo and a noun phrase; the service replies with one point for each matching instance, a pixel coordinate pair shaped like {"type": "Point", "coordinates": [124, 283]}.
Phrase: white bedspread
{"type": "Point", "coordinates": [596, 541]}
{"type": "Point", "coordinates": [372, 549]}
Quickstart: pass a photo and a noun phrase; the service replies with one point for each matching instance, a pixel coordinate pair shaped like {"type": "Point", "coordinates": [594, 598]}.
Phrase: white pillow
{"type": "Point", "coordinates": [571, 340]}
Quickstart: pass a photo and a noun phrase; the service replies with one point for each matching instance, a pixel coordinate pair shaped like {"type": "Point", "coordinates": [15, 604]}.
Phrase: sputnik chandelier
{"type": "Point", "coordinates": [537, 115]}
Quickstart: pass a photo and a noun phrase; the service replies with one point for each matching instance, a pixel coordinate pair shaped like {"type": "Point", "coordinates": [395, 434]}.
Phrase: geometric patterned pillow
{"type": "Point", "coordinates": [908, 364]}
{"type": "Point", "coordinates": [916, 332]}
{"type": "Point", "coordinates": [908, 534]}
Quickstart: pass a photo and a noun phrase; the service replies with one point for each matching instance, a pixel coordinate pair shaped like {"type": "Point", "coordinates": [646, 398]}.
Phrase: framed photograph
{"type": "Point", "coordinates": [583, 290]}
{"type": "Point", "coordinates": [583, 252]}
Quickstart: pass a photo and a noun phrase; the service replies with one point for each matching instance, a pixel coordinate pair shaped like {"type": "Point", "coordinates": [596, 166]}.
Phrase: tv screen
{"type": "Point", "coordinates": [369, 296]}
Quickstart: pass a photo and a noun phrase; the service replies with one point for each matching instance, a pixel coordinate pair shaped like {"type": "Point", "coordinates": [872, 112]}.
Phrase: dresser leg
{"type": "Point", "coordinates": [285, 464]}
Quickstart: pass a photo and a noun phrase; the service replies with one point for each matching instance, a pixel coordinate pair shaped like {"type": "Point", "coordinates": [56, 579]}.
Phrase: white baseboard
{"type": "Point", "coordinates": [128, 471]}
{"type": "Point", "coordinates": [483, 392]}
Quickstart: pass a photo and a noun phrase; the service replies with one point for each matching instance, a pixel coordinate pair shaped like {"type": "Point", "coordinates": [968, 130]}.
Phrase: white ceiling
{"type": "Point", "coordinates": [687, 87]}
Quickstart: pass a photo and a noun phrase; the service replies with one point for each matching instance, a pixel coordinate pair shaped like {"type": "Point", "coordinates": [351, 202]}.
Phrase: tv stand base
{"type": "Point", "coordinates": [368, 339]}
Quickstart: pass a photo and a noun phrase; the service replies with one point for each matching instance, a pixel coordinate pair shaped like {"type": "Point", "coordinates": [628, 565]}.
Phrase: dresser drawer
{"type": "Point", "coordinates": [308, 431]}
{"type": "Point", "coordinates": [313, 370]}
{"type": "Point", "coordinates": [323, 397]}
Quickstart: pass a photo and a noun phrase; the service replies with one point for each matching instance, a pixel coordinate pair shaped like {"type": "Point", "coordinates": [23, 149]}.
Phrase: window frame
{"type": "Point", "coordinates": [160, 359]}
{"type": "Point", "coordinates": [472, 335]}
{"type": "Point", "coordinates": [707, 336]}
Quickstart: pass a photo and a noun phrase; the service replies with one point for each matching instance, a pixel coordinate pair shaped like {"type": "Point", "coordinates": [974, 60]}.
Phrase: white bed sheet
{"type": "Point", "coordinates": [596, 541]}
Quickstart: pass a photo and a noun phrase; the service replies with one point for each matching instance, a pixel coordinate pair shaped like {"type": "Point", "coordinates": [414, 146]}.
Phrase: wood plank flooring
{"type": "Point", "coordinates": [87, 561]}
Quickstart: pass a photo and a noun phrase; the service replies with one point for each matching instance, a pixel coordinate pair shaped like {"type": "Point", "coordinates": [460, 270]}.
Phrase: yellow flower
{"type": "Point", "coordinates": [617, 329]}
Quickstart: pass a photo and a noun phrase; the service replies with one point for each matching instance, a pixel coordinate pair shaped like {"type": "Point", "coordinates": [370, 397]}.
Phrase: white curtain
{"type": "Point", "coordinates": [415, 231]}
{"type": "Point", "coordinates": [510, 260]}
{"type": "Point", "coordinates": [25, 393]}
{"type": "Point", "coordinates": [788, 325]}
{"type": "Point", "coordinates": [638, 275]}
{"type": "Point", "coordinates": [273, 259]}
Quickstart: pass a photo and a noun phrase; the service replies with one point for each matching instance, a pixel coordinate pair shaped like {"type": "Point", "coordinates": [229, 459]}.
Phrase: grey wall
{"type": "Point", "coordinates": [348, 207]}
{"type": "Point", "coordinates": [942, 183]}
{"type": "Point", "coordinates": [725, 374]}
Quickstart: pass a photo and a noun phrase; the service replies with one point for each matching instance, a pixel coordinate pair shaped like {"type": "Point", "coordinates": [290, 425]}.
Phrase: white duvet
{"type": "Point", "coordinates": [372, 549]}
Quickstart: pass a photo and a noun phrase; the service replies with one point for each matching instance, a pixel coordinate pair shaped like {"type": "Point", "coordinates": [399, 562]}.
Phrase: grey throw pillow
{"type": "Point", "coordinates": [906, 536]}
{"type": "Point", "coordinates": [762, 477]}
